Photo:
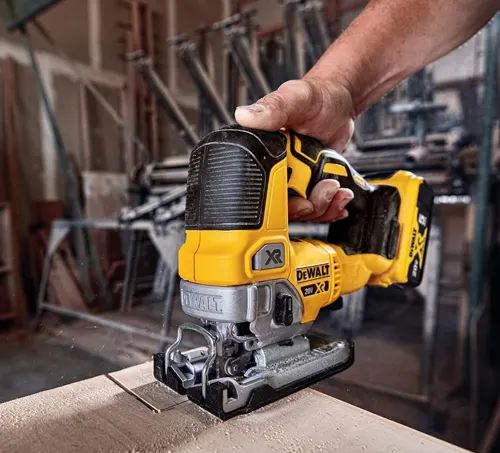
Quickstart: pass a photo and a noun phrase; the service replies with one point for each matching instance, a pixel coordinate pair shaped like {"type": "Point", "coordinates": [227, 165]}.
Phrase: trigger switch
{"type": "Point", "coordinates": [283, 310]}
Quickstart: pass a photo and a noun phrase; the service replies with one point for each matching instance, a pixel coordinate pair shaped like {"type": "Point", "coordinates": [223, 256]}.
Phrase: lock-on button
{"type": "Point", "coordinates": [283, 310]}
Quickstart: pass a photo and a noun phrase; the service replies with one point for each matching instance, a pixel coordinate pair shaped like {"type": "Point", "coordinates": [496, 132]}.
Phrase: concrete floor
{"type": "Point", "coordinates": [42, 363]}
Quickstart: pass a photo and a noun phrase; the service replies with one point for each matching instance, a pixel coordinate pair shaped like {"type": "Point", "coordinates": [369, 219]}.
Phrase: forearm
{"type": "Point", "coordinates": [392, 39]}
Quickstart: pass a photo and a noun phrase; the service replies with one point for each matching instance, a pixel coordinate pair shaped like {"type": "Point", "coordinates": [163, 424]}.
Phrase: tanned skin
{"type": "Point", "coordinates": [389, 41]}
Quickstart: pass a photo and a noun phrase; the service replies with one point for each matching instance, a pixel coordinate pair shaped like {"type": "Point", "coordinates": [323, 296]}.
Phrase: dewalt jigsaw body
{"type": "Point", "coordinates": [256, 291]}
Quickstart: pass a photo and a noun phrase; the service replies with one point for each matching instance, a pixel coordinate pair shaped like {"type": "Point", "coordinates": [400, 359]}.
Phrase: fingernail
{"type": "Point", "coordinates": [253, 108]}
{"type": "Point", "coordinates": [343, 203]}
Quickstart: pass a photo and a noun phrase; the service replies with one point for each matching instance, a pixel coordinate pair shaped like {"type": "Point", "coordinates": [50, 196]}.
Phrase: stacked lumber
{"type": "Point", "coordinates": [64, 287]}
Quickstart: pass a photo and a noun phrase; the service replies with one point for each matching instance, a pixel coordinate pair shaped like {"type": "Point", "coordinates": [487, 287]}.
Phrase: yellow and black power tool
{"type": "Point", "coordinates": [257, 292]}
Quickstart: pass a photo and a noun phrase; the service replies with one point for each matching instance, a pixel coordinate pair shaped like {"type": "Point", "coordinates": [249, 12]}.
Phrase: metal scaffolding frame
{"type": "Point", "coordinates": [161, 236]}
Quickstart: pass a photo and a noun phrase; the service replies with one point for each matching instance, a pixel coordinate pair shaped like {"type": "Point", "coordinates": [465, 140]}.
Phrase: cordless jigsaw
{"type": "Point", "coordinates": [255, 291]}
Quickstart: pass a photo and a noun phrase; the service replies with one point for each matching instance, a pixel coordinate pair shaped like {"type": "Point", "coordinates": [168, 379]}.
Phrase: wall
{"type": "Point", "coordinates": [465, 62]}
{"type": "Point", "coordinates": [91, 33]}
{"type": "Point", "coordinates": [190, 16]}
{"type": "Point", "coordinates": [268, 13]}
{"type": "Point", "coordinates": [29, 158]}
{"type": "Point", "coordinates": [187, 17]}
{"type": "Point", "coordinates": [68, 22]}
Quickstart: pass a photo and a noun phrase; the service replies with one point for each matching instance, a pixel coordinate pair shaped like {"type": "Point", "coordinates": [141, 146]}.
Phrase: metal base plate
{"type": "Point", "coordinates": [263, 394]}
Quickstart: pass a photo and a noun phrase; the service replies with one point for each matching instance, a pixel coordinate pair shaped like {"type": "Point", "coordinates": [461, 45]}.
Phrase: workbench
{"type": "Point", "coordinates": [128, 411]}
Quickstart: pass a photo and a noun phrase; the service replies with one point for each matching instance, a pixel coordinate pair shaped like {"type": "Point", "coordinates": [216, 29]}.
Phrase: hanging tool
{"type": "Point", "coordinates": [293, 57]}
{"type": "Point", "coordinates": [186, 51]}
{"type": "Point", "coordinates": [64, 162]}
{"type": "Point", "coordinates": [317, 40]}
{"type": "Point", "coordinates": [420, 107]}
{"type": "Point", "coordinates": [231, 87]}
{"type": "Point", "coordinates": [255, 291]}
{"type": "Point", "coordinates": [164, 97]}
{"type": "Point", "coordinates": [205, 119]}
{"type": "Point", "coordinates": [158, 178]}
{"type": "Point", "coordinates": [272, 61]}
{"type": "Point", "coordinates": [236, 42]}
{"type": "Point", "coordinates": [89, 85]}
{"type": "Point", "coordinates": [174, 201]}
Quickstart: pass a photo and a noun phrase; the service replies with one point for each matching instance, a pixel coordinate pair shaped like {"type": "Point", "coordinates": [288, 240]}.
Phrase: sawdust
{"type": "Point", "coordinates": [97, 415]}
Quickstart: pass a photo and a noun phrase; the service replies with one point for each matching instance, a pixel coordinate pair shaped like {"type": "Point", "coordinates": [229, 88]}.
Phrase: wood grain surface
{"type": "Point", "coordinates": [128, 411]}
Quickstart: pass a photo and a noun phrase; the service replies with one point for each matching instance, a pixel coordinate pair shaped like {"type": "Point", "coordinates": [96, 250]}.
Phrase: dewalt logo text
{"type": "Point", "coordinates": [412, 244]}
{"type": "Point", "coordinates": [306, 274]}
{"type": "Point", "coordinates": [201, 302]}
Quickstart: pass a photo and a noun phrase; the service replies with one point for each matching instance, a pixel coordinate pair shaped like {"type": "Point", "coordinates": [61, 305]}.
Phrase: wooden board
{"type": "Point", "coordinates": [108, 414]}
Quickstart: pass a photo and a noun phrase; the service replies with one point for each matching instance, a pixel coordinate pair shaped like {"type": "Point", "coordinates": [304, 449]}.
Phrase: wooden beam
{"type": "Point", "coordinates": [48, 145]}
{"type": "Point", "coordinates": [129, 411]}
{"type": "Point", "coordinates": [12, 134]}
{"type": "Point", "coordinates": [51, 62]}
{"type": "Point", "coordinates": [95, 38]}
{"type": "Point", "coordinates": [150, 97]}
{"type": "Point", "coordinates": [86, 157]}
{"type": "Point", "coordinates": [130, 148]}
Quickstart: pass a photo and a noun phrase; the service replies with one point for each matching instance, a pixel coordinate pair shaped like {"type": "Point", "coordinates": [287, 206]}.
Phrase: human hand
{"type": "Point", "coordinates": [320, 109]}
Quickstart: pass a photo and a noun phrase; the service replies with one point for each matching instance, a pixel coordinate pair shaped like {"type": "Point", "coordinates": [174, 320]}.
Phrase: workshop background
{"type": "Point", "coordinates": [100, 103]}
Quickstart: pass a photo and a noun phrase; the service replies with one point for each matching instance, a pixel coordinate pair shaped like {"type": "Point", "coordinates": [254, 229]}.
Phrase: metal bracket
{"type": "Point", "coordinates": [164, 97]}
{"type": "Point", "coordinates": [186, 51]}
{"type": "Point", "coordinates": [211, 341]}
{"type": "Point", "coordinates": [237, 45]}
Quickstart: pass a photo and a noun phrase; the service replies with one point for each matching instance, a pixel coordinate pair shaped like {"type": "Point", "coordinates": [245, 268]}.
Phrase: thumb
{"type": "Point", "coordinates": [292, 103]}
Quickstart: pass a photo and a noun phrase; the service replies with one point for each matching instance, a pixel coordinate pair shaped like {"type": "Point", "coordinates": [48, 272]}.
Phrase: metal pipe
{"type": "Point", "coordinates": [236, 40]}
{"type": "Point", "coordinates": [169, 176]}
{"type": "Point", "coordinates": [431, 308]}
{"type": "Point", "coordinates": [169, 303]}
{"type": "Point", "coordinates": [452, 200]}
{"type": "Point", "coordinates": [94, 90]}
{"type": "Point", "coordinates": [240, 51]}
{"type": "Point", "coordinates": [105, 322]}
{"type": "Point", "coordinates": [130, 269]}
{"type": "Point", "coordinates": [129, 215]}
{"type": "Point", "coordinates": [292, 55]}
{"type": "Point", "coordinates": [316, 42]}
{"type": "Point", "coordinates": [478, 252]}
{"type": "Point", "coordinates": [318, 15]}
{"type": "Point", "coordinates": [64, 161]}
{"type": "Point", "coordinates": [492, 432]}
{"type": "Point", "coordinates": [164, 98]}
{"type": "Point", "coordinates": [205, 119]}
{"type": "Point", "coordinates": [100, 224]}
{"type": "Point", "coordinates": [484, 168]}
{"type": "Point", "coordinates": [239, 41]}
{"type": "Point", "coordinates": [186, 51]}
{"type": "Point", "coordinates": [60, 229]}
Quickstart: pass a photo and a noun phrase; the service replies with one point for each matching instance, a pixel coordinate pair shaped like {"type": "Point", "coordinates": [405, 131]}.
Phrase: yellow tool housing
{"type": "Point", "coordinates": [238, 186]}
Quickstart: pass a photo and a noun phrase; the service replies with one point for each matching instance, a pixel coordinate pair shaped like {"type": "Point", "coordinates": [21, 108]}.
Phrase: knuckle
{"type": "Point", "coordinates": [303, 90]}
{"type": "Point", "coordinates": [274, 100]}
